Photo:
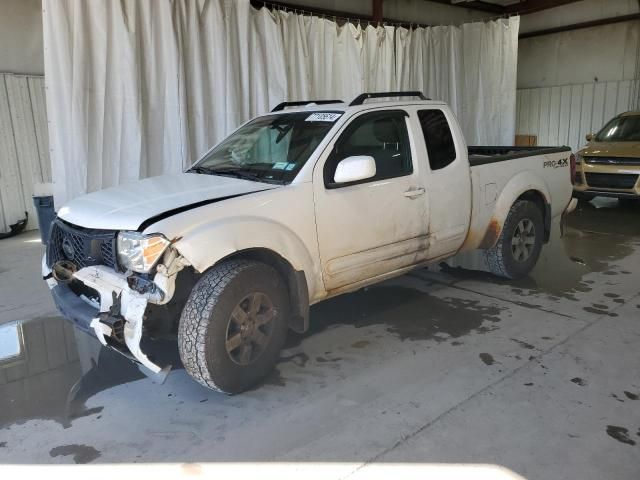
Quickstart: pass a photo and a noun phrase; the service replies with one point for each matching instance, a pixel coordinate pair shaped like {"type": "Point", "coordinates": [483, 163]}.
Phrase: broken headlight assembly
{"type": "Point", "coordinates": [138, 252]}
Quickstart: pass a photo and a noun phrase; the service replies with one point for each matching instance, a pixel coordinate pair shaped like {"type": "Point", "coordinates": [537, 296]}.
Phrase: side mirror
{"type": "Point", "coordinates": [355, 168]}
{"type": "Point", "coordinates": [589, 137]}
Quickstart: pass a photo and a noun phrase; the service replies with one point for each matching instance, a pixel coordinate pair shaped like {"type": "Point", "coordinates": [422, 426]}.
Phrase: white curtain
{"type": "Point", "coordinates": [472, 67]}
{"type": "Point", "coordinates": [143, 87]}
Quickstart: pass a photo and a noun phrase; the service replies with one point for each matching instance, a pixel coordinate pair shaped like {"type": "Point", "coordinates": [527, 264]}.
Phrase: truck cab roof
{"type": "Point", "coordinates": [360, 103]}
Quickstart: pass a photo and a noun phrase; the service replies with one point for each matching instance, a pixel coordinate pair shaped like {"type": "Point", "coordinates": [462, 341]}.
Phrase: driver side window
{"type": "Point", "coordinates": [381, 135]}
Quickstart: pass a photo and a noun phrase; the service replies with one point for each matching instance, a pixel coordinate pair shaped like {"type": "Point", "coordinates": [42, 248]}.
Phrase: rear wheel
{"type": "Point", "coordinates": [518, 248]}
{"type": "Point", "coordinates": [233, 325]}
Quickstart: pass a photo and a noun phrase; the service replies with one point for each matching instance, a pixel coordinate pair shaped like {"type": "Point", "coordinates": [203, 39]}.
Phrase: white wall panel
{"type": "Point", "coordinates": [605, 53]}
{"type": "Point", "coordinates": [24, 154]}
{"type": "Point", "coordinates": [563, 115]}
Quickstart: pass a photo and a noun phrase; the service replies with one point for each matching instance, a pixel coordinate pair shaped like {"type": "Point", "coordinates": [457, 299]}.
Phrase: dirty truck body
{"type": "Point", "coordinates": [295, 207]}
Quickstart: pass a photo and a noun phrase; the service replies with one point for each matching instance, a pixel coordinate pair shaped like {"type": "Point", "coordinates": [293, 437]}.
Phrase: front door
{"type": "Point", "coordinates": [378, 225]}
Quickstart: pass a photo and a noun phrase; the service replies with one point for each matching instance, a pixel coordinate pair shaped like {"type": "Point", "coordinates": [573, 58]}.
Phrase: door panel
{"type": "Point", "coordinates": [448, 182]}
{"type": "Point", "coordinates": [378, 225]}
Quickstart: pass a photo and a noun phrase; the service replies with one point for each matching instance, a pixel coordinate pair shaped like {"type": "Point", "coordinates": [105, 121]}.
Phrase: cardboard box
{"type": "Point", "coordinates": [526, 140]}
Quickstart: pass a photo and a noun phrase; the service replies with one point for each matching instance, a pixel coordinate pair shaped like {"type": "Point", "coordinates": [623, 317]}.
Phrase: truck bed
{"type": "Point", "coordinates": [543, 169]}
{"type": "Point", "coordinates": [482, 155]}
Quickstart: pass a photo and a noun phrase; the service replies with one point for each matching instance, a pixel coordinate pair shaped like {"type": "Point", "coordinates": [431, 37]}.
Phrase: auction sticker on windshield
{"type": "Point", "coordinates": [323, 117]}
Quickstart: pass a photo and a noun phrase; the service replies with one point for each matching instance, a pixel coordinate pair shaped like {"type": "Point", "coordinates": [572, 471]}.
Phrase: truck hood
{"type": "Point", "coordinates": [128, 206]}
{"type": "Point", "coordinates": [612, 149]}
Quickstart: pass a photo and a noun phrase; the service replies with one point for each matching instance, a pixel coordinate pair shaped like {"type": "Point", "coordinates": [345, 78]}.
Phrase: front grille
{"type": "Point", "coordinates": [84, 247]}
{"type": "Point", "coordinates": [611, 180]}
{"type": "Point", "coordinates": [612, 161]}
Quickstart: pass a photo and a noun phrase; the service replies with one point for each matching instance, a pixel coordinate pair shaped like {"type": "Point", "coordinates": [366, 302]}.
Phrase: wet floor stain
{"type": "Point", "coordinates": [620, 434]}
{"type": "Point", "coordinates": [80, 453]}
{"type": "Point", "coordinates": [327, 360]}
{"type": "Point", "coordinates": [631, 396]}
{"type": "Point", "coordinates": [599, 311]}
{"type": "Point", "coordinates": [579, 381]}
{"type": "Point", "coordinates": [3, 444]}
{"type": "Point", "coordinates": [274, 379]}
{"type": "Point", "coordinates": [525, 345]}
{"type": "Point", "coordinates": [57, 371]}
{"type": "Point", "coordinates": [487, 358]}
{"type": "Point", "coordinates": [300, 359]}
{"type": "Point", "coordinates": [595, 236]}
{"type": "Point", "coordinates": [407, 313]}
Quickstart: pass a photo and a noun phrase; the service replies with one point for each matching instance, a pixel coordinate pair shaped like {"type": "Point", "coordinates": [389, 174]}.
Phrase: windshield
{"type": "Point", "coordinates": [270, 149]}
{"type": "Point", "coordinates": [621, 129]}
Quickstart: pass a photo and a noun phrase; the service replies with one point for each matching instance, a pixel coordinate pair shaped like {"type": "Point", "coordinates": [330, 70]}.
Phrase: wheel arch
{"type": "Point", "coordinates": [535, 196]}
{"type": "Point", "coordinates": [295, 280]}
{"type": "Point", "coordinates": [523, 186]}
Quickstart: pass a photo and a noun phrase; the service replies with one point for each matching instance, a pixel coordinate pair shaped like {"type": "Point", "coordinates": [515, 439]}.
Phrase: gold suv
{"type": "Point", "coordinates": [610, 163]}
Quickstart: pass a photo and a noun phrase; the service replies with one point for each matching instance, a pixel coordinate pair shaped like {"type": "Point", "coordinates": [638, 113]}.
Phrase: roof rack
{"type": "Point", "coordinates": [359, 100]}
{"type": "Point", "coordinates": [283, 105]}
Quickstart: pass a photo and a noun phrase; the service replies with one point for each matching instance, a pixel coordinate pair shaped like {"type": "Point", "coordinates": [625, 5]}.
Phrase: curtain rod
{"type": "Point", "coordinates": [348, 17]}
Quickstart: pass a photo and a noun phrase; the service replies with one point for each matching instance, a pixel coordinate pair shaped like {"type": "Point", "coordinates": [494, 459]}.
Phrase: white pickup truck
{"type": "Point", "coordinates": [294, 207]}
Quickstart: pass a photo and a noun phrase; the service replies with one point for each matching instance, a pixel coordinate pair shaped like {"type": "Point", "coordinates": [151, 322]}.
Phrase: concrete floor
{"type": "Point", "coordinates": [445, 365]}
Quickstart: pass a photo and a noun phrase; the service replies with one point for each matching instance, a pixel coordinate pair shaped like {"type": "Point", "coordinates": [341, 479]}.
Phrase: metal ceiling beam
{"type": "Point", "coordinates": [340, 15]}
{"type": "Point", "coordinates": [578, 26]}
{"type": "Point", "coordinates": [522, 8]}
{"type": "Point", "coordinates": [474, 5]}
{"type": "Point", "coordinates": [376, 11]}
{"type": "Point", "coordinates": [531, 6]}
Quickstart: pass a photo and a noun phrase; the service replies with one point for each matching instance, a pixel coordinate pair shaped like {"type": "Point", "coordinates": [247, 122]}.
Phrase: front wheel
{"type": "Point", "coordinates": [518, 248]}
{"type": "Point", "coordinates": [233, 325]}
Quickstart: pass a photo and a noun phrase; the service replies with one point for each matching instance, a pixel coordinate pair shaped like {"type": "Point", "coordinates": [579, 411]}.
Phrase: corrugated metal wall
{"type": "Point", "coordinates": [24, 146]}
{"type": "Point", "coordinates": [564, 115]}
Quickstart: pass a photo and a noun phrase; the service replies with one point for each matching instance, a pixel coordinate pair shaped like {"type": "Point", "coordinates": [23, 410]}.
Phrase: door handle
{"type": "Point", "coordinates": [414, 192]}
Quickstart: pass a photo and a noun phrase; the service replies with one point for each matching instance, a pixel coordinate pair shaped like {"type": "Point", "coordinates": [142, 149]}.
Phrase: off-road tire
{"type": "Point", "coordinates": [202, 332]}
{"type": "Point", "coordinates": [500, 259]}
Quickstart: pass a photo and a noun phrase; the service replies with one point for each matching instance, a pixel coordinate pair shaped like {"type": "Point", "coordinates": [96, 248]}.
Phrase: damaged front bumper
{"type": "Point", "coordinates": [117, 319]}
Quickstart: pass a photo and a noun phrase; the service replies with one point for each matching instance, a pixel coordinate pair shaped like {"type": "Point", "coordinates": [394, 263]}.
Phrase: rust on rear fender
{"type": "Point", "coordinates": [491, 235]}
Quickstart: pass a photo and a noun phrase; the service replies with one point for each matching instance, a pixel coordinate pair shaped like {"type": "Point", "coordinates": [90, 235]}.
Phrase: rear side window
{"type": "Point", "coordinates": [437, 136]}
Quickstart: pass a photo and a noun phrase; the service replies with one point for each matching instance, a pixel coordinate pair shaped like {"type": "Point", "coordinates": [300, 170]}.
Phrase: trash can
{"type": "Point", "coordinates": [46, 214]}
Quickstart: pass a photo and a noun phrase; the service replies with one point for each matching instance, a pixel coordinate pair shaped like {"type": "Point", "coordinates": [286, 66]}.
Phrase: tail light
{"type": "Point", "coordinates": [572, 167]}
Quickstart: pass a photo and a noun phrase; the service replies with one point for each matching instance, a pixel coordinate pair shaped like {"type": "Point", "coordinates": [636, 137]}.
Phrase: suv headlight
{"type": "Point", "coordinates": [140, 252]}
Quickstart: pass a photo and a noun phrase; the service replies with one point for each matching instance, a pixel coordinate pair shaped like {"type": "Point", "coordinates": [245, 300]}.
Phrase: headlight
{"type": "Point", "coordinates": [579, 158]}
{"type": "Point", "coordinates": [140, 252]}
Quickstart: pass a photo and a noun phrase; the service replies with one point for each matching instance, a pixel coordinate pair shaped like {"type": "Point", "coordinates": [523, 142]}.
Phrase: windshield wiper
{"type": "Point", "coordinates": [244, 175]}
{"type": "Point", "coordinates": [200, 169]}
{"type": "Point", "coordinates": [233, 172]}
